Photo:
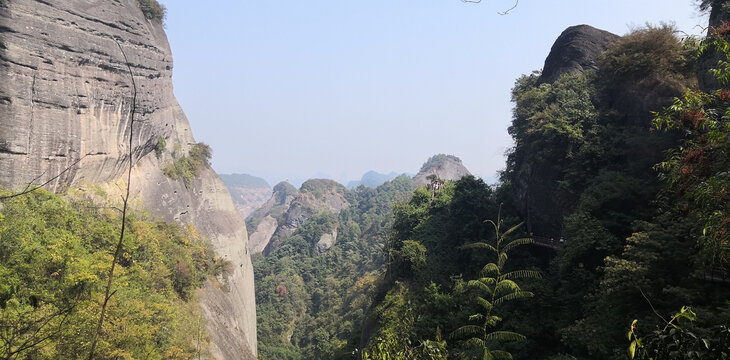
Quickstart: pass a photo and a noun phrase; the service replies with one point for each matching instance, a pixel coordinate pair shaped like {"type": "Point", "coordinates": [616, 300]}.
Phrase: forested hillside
{"type": "Point", "coordinates": [612, 208]}
{"type": "Point", "coordinates": [54, 260]}
{"type": "Point", "coordinates": [311, 305]}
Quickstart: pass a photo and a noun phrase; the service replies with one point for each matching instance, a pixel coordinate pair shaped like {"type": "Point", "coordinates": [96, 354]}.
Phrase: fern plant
{"type": "Point", "coordinates": [494, 288]}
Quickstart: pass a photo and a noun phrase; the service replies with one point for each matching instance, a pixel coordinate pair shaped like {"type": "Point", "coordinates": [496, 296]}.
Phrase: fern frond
{"type": "Point", "coordinates": [493, 320]}
{"type": "Point", "coordinates": [466, 330]}
{"type": "Point", "coordinates": [490, 269]}
{"type": "Point", "coordinates": [512, 229]}
{"type": "Point", "coordinates": [500, 354]}
{"type": "Point", "coordinates": [505, 336]}
{"type": "Point", "coordinates": [487, 355]}
{"type": "Point", "coordinates": [517, 242]}
{"type": "Point", "coordinates": [505, 286]}
{"type": "Point", "coordinates": [496, 228]}
{"type": "Point", "coordinates": [521, 274]}
{"type": "Point", "coordinates": [474, 343]}
{"type": "Point", "coordinates": [478, 245]}
{"type": "Point", "coordinates": [476, 317]}
{"type": "Point", "coordinates": [484, 303]}
{"type": "Point", "coordinates": [481, 285]}
{"type": "Point", "coordinates": [513, 296]}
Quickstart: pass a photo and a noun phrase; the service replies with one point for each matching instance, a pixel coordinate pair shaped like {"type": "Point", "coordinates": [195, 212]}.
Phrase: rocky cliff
{"type": "Point", "coordinates": [266, 219]}
{"type": "Point", "coordinates": [315, 195]}
{"type": "Point", "coordinates": [65, 103]}
{"type": "Point", "coordinates": [576, 50]}
{"type": "Point", "coordinates": [445, 167]}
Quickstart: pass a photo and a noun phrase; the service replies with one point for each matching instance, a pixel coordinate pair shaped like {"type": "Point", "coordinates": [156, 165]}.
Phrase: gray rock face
{"type": "Point", "coordinates": [66, 98]}
{"type": "Point", "coordinates": [268, 217]}
{"type": "Point", "coordinates": [445, 167]}
{"type": "Point", "coordinates": [315, 196]}
{"type": "Point", "coordinates": [575, 51]}
{"type": "Point", "coordinates": [326, 241]}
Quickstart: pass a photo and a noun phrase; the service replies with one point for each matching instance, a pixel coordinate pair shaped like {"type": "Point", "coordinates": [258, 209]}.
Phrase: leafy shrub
{"type": "Point", "coordinates": [188, 166]}
{"type": "Point", "coordinates": [160, 147]}
{"type": "Point", "coordinates": [153, 10]}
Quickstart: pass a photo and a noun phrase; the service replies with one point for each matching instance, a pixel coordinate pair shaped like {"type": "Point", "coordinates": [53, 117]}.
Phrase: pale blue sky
{"type": "Point", "coordinates": [292, 89]}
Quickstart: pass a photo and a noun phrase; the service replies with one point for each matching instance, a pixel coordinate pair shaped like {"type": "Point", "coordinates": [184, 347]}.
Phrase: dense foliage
{"type": "Point", "coordinates": [312, 305]}
{"type": "Point", "coordinates": [54, 258]}
{"type": "Point", "coordinates": [584, 170]}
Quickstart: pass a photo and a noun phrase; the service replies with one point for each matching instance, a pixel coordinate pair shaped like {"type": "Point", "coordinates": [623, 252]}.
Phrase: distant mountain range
{"type": "Point", "coordinates": [373, 179]}
{"type": "Point", "coordinates": [248, 192]}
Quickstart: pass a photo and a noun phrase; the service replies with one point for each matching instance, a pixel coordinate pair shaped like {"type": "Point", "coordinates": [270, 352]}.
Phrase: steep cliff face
{"type": "Point", "coordinates": [65, 102]}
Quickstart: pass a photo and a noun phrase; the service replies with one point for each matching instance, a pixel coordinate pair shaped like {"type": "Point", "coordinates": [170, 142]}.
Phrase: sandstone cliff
{"type": "Point", "coordinates": [65, 100]}
{"type": "Point", "coordinates": [445, 167]}
{"type": "Point", "coordinates": [288, 208]}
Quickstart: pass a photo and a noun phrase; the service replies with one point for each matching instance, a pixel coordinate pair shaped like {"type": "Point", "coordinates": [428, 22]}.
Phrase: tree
{"type": "Point", "coordinates": [495, 287]}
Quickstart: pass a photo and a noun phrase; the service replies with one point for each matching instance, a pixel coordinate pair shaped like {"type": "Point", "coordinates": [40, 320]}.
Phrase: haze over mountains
{"type": "Point", "coordinates": [272, 214]}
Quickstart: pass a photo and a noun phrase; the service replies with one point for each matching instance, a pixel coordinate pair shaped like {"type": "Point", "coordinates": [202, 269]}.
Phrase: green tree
{"type": "Point", "coordinates": [495, 286]}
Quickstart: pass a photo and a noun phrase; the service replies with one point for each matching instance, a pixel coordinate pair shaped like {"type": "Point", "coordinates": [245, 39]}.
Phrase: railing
{"type": "Point", "coordinates": [543, 241]}
{"type": "Point", "coordinates": [716, 275]}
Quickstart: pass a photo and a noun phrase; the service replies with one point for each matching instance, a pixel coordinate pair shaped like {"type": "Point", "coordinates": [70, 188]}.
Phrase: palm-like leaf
{"type": "Point", "coordinates": [483, 284]}
{"type": "Point", "coordinates": [476, 317]}
{"type": "Point", "coordinates": [513, 296]}
{"type": "Point", "coordinates": [467, 330]}
{"type": "Point", "coordinates": [499, 354]}
{"type": "Point", "coordinates": [479, 245]}
{"type": "Point", "coordinates": [512, 229]}
{"type": "Point", "coordinates": [505, 336]}
{"type": "Point", "coordinates": [486, 305]}
{"type": "Point", "coordinates": [506, 286]}
{"type": "Point", "coordinates": [474, 343]}
{"type": "Point", "coordinates": [521, 274]}
{"type": "Point", "coordinates": [490, 269]}
{"type": "Point", "coordinates": [517, 242]}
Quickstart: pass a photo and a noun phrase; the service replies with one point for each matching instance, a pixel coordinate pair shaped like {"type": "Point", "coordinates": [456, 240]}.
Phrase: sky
{"type": "Point", "coordinates": [292, 89]}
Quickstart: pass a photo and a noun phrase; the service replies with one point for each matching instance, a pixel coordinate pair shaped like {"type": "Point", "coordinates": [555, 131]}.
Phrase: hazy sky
{"type": "Point", "coordinates": [293, 89]}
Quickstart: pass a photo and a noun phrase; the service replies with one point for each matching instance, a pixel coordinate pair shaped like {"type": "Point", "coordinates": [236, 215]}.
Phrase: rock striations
{"type": "Point", "coordinates": [65, 102]}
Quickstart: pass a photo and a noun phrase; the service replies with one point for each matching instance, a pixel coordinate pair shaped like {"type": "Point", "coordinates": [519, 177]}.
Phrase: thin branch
{"type": "Point", "coordinates": [29, 190]}
{"type": "Point", "coordinates": [517, 2]}
{"type": "Point", "coordinates": [118, 250]}
{"type": "Point", "coordinates": [652, 306]}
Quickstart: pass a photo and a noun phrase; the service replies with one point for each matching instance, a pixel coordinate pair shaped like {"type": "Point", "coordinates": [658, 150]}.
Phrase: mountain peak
{"type": "Point", "coordinates": [445, 167]}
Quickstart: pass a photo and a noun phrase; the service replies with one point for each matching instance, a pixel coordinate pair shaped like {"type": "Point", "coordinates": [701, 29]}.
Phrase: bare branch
{"type": "Point", "coordinates": [118, 250]}
{"type": "Point", "coordinates": [517, 2]}
{"type": "Point", "coordinates": [29, 190]}
{"type": "Point", "coordinates": [499, 12]}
